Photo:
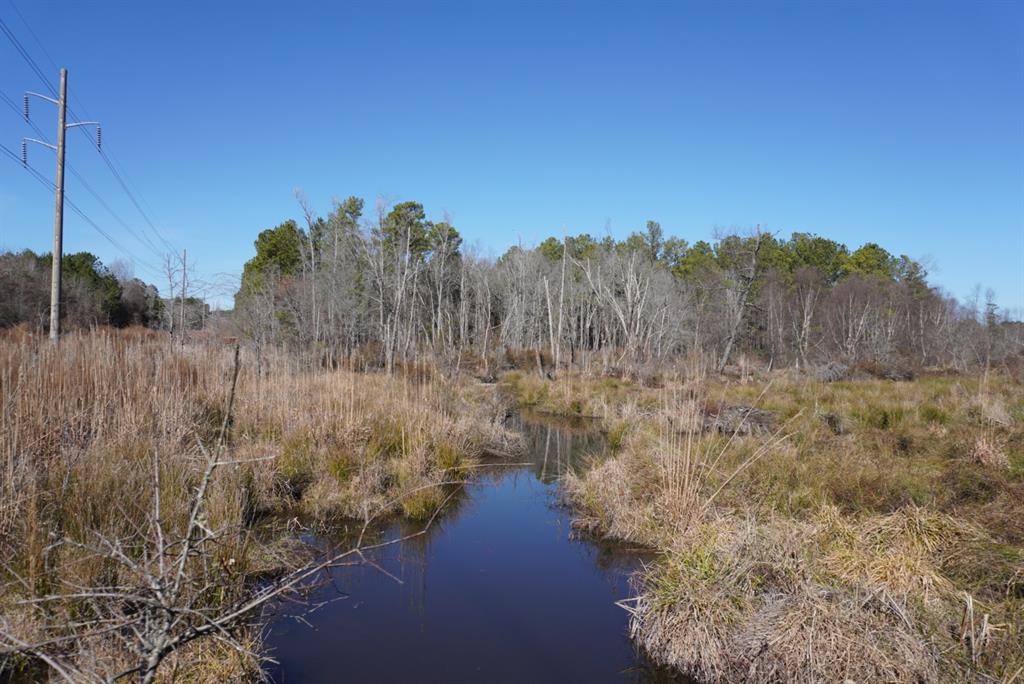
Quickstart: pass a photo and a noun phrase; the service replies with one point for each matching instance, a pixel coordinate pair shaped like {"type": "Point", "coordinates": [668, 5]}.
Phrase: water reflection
{"type": "Point", "coordinates": [496, 591]}
{"type": "Point", "coordinates": [557, 445]}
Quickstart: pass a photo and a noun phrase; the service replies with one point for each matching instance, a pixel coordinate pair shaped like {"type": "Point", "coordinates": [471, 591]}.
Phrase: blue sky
{"type": "Point", "coordinates": [899, 123]}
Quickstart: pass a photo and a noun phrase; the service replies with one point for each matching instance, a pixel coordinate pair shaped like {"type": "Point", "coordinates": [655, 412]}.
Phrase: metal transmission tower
{"type": "Point", "coordinates": [58, 217]}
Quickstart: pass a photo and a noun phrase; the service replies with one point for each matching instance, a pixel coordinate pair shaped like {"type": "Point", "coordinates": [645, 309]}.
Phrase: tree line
{"type": "Point", "coordinates": [92, 294]}
{"type": "Point", "coordinates": [395, 287]}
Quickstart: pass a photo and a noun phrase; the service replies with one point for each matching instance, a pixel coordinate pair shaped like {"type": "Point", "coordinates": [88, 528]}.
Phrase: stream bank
{"type": "Point", "coordinates": [499, 590]}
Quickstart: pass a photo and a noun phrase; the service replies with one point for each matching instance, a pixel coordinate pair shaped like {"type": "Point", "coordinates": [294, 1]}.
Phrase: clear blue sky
{"type": "Point", "coordinates": [900, 123]}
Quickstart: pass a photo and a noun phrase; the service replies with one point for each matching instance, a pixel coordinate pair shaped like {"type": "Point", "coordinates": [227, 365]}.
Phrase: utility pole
{"type": "Point", "coordinates": [184, 281]}
{"type": "Point", "coordinates": [56, 270]}
{"type": "Point", "coordinates": [58, 212]}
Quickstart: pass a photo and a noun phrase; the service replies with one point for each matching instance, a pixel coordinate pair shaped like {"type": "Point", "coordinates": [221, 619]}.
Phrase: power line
{"type": "Point", "coordinates": [143, 240]}
{"type": "Point", "coordinates": [32, 33]}
{"type": "Point", "coordinates": [131, 196]}
{"type": "Point", "coordinates": [48, 184]}
{"type": "Point", "coordinates": [111, 163]}
{"type": "Point", "coordinates": [106, 159]}
{"type": "Point", "coordinates": [131, 257]}
{"type": "Point", "coordinates": [60, 200]}
{"type": "Point", "coordinates": [26, 56]}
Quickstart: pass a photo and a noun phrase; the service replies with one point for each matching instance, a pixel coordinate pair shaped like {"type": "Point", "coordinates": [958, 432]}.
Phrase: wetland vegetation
{"type": "Point", "coordinates": [511, 342]}
{"type": "Point", "coordinates": [817, 455]}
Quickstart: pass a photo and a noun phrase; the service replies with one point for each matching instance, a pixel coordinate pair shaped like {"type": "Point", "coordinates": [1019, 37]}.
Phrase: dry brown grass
{"type": "Point", "coordinates": [887, 550]}
{"type": "Point", "coordinates": [824, 600]}
{"type": "Point", "coordinates": [81, 423]}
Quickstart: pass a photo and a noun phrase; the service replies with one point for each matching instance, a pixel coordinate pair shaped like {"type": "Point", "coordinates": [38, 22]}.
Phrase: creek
{"type": "Point", "coordinates": [498, 590]}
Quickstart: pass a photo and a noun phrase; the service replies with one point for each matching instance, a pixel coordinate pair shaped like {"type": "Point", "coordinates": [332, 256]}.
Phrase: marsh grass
{"type": "Point", "coordinates": [889, 550]}
{"type": "Point", "coordinates": [82, 422]}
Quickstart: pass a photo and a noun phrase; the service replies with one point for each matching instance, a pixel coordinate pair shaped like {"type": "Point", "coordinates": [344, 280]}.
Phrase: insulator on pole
{"type": "Point", "coordinates": [26, 107]}
{"type": "Point", "coordinates": [24, 153]}
{"type": "Point", "coordinates": [99, 137]}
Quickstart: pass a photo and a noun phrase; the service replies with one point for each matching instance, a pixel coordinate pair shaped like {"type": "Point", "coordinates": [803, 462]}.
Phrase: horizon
{"type": "Point", "coordinates": [899, 125]}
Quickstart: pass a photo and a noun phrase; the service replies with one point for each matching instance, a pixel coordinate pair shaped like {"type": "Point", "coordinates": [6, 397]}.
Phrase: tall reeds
{"type": "Point", "coordinates": [106, 427]}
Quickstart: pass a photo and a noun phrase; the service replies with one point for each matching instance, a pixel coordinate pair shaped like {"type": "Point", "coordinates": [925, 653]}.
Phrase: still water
{"type": "Point", "coordinates": [497, 591]}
